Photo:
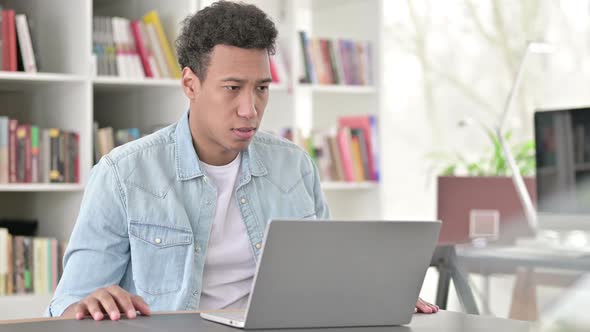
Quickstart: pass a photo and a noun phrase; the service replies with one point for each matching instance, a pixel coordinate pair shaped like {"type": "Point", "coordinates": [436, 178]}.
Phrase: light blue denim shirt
{"type": "Point", "coordinates": [148, 208]}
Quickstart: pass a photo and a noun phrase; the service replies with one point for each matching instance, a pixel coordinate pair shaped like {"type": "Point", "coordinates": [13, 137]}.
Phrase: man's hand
{"type": "Point", "coordinates": [112, 300]}
{"type": "Point", "coordinates": [425, 307]}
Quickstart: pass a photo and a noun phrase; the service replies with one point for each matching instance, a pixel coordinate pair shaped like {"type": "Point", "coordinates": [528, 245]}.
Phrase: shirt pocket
{"type": "Point", "coordinates": [158, 256]}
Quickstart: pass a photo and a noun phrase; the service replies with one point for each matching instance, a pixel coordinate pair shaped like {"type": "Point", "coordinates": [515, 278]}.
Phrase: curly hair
{"type": "Point", "coordinates": [226, 23]}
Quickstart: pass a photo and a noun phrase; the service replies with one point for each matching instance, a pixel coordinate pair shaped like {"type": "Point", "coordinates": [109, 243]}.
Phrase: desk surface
{"type": "Point", "coordinates": [442, 321]}
{"type": "Point", "coordinates": [494, 258]}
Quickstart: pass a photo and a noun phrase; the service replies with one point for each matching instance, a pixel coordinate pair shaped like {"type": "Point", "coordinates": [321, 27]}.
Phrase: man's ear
{"type": "Point", "coordinates": [190, 83]}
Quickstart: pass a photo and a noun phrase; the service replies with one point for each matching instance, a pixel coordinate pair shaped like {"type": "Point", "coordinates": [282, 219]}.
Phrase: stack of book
{"type": "Point", "coordinates": [133, 48]}
{"type": "Point", "coordinates": [342, 61]}
{"type": "Point", "coordinates": [29, 154]}
{"type": "Point", "coordinates": [16, 44]}
{"type": "Point", "coordinates": [107, 138]}
{"type": "Point", "coordinates": [348, 153]}
{"type": "Point", "coordinates": [29, 264]}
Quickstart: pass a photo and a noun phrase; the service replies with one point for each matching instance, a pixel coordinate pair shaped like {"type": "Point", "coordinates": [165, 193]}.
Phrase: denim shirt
{"type": "Point", "coordinates": [148, 209]}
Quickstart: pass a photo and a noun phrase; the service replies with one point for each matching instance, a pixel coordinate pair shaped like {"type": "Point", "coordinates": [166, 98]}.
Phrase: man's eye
{"type": "Point", "coordinates": [232, 87]}
{"type": "Point", "coordinates": [263, 88]}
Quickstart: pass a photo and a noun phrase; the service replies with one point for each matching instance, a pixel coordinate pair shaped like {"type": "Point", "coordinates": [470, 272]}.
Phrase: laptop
{"type": "Point", "coordinates": [319, 273]}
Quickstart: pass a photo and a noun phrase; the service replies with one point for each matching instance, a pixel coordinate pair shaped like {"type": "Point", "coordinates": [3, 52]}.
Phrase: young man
{"type": "Point", "coordinates": [175, 220]}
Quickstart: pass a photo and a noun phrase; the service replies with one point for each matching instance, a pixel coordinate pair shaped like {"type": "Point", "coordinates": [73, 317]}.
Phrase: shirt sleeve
{"type": "Point", "coordinates": [98, 250]}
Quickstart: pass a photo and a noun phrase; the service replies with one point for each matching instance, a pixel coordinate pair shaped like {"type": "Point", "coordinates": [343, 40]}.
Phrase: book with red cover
{"type": "Point", "coordinates": [12, 160]}
{"type": "Point", "coordinates": [4, 34]}
{"type": "Point", "coordinates": [11, 38]}
{"type": "Point", "coordinates": [368, 124]}
{"type": "Point", "coordinates": [344, 144]}
{"type": "Point", "coordinates": [273, 71]}
{"type": "Point", "coordinates": [141, 48]}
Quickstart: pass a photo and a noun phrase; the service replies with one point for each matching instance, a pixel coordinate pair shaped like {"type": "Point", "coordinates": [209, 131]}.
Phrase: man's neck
{"type": "Point", "coordinates": [216, 159]}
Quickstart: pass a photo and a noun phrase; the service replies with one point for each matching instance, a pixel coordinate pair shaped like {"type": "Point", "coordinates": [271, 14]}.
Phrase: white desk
{"type": "Point", "coordinates": [191, 322]}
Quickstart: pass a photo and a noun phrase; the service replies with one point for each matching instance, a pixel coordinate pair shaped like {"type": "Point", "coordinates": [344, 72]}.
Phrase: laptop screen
{"type": "Point", "coordinates": [563, 161]}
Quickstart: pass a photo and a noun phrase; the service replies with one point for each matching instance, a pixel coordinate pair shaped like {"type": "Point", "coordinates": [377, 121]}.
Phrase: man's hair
{"type": "Point", "coordinates": [223, 23]}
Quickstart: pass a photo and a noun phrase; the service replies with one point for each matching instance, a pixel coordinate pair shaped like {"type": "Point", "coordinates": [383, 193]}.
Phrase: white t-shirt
{"type": "Point", "coordinates": [229, 264]}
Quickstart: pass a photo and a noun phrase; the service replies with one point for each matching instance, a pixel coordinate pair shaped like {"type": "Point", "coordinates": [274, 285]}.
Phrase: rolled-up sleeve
{"type": "Point", "coordinates": [98, 250]}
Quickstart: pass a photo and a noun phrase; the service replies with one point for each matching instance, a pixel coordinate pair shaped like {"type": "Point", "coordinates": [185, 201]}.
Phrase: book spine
{"type": "Point", "coordinates": [9, 266]}
{"type": "Point", "coordinates": [12, 126]}
{"type": "Point", "coordinates": [28, 155]}
{"type": "Point", "coordinates": [141, 48]}
{"type": "Point", "coordinates": [3, 261]}
{"type": "Point", "coordinates": [54, 170]}
{"type": "Point", "coordinates": [21, 153]}
{"type": "Point", "coordinates": [29, 252]}
{"type": "Point", "coordinates": [153, 18]}
{"type": "Point", "coordinates": [4, 148]}
{"type": "Point", "coordinates": [19, 264]}
{"type": "Point", "coordinates": [24, 39]}
{"type": "Point", "coordinates": [11, 41]}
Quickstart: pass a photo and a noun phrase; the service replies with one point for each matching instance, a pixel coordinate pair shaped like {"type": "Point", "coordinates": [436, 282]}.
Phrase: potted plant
{"type": "Point", "coordinates": [477, 199]}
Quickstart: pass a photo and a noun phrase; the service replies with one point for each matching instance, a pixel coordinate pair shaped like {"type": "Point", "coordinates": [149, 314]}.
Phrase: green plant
{"type": "Point", "coordinates": [493, 163]}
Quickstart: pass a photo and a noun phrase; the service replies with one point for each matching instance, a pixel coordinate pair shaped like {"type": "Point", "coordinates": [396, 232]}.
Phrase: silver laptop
{"type": "Point", "coordinates": [317, 273]}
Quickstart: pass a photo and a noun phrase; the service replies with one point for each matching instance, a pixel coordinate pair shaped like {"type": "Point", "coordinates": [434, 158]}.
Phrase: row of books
{"type": "Point", "coordinates": [133, 48]}
{"type": "Point", "coordinates": [342, 61]}
{"type": "Point", "coordinates": [16, 45]}
{"type": "Point", "coordinates": [29, 154]}
{"type": "Point", "coordinates": [29, 264]}
{"type": "Point", "coordinates": [107, 138]}
{"type": "Point", "coordinates": [348, 153]}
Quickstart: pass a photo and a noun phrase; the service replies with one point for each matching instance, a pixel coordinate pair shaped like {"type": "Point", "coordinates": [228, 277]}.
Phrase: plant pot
{"type": "Point", "coordinates": [473, 207]}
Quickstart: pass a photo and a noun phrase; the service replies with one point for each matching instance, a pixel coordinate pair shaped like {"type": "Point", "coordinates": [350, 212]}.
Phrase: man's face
{"type": "Point", "coordinates": [228, 105]}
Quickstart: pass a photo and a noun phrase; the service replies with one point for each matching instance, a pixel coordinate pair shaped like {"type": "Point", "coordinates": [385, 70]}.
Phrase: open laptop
{"type": "Point", "coordinates": [315, 273]}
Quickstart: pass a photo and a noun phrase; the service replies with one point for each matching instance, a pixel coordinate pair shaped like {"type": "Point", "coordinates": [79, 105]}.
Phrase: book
{"type": "Point", "coordinates": [142, 49]}
{"type": "Point", "coordinates": [3, 261]}
{"type": "Point", "coordinates": [157, 50]}
{"type": "Point", "coordinates": [9, 57]}
{"type": "Point", "coordinates": [358, 133]}
{"type": "Point", "coordinates": [55, 174]}
{"type": "Point", "coordinates": [23, 154]}
{"type": "Point", "coordinates": [152, 18]}
{"type": "Point", "coordinates": [368, 124]}
{"type": "Point", "coordinates": [39, 265]}
{"type": "Point", "coordinates": [34, 176]}
{"type": "Point", "coordinates": [26, 46]}
{"type": "Point", "coordinates": [29, 254]}
{"type": "Point", "coordinates": [19, 264]}
{"type": "Point", "coordinates": [12, 160]}
{"type": "Point", "coordinates": [4, 149]}
{"type": "Point", "coordinates": [355, 152]}
{"type": "Point", "coordinates": [9, 265]}
{"type": "Point", "coordinates": [309, 73]}
{"type": "Point", "coordinates": [344, 145]}
{"type": "Point", "coordinates": [1, 36]}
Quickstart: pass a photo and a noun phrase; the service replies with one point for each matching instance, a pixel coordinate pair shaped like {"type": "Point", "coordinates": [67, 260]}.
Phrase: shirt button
{"type": "Point", "coordinates": [243, 200]}
{"type": "Point", "coordinates": [258, 245]}
{"type": "Point", "coordinates": [158, 240]}
{"type": "Point", "coordinates": [197, 250]}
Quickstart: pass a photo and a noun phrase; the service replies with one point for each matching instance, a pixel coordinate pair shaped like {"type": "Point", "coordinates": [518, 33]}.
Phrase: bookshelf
{"type": "Point", "coordinates": [66, 93]}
